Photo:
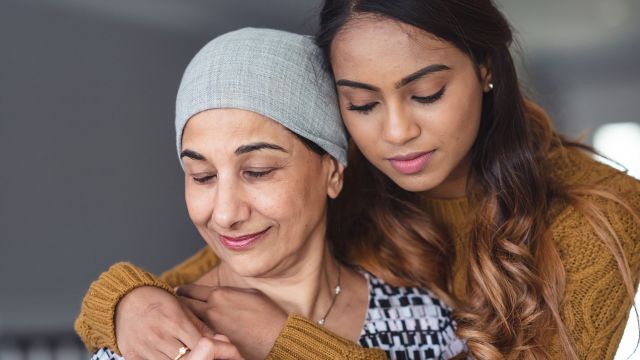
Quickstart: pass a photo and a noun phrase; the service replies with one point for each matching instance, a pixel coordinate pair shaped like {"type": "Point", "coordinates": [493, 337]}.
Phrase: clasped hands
{"type": "Point", "coordinates": [214, 322]}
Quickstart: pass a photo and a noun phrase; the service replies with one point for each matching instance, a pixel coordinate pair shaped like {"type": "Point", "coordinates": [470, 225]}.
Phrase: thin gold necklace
{"type": "Point", "coordinates": [336, 291]}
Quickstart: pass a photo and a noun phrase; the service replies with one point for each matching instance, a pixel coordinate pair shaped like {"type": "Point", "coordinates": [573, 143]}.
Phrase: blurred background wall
{"type": "Point", "coordinates": [89, 174]}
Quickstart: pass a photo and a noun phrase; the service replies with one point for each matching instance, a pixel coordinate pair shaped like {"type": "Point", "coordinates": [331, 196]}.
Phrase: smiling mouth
{"type": "Point", "coordinates": [412, 163]}
{"type": "Point", "coordinates": [241, 242]}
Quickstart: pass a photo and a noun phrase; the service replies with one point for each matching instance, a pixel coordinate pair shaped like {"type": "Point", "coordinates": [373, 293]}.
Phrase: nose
{"type": "Point", "coordinates": [398, 127]}
{"type": "Point", "coordinates": [230, 208]}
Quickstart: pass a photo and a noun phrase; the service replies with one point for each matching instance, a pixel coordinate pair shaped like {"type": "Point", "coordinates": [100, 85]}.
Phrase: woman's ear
{"type": "Point", "coordinates": [485, 77]}
{"type": "Point", "coordinates": [335, 178]}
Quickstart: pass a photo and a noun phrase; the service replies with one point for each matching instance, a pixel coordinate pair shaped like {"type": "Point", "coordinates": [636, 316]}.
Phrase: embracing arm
{"type": "Point", "coordinates": [596, 304]}
{"type": "Point", "coordinates": [299, 339]}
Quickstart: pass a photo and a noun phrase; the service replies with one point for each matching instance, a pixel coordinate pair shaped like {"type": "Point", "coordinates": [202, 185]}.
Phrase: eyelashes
{"type": "Point", "coordinates": [430, 99]}
{"type": "Point", "coordinates": [362, 108]}
{"type": "Point", "coordinates": [203, 179]}
{"type": "Point", "coordinates": [258, 174]}
{"type": "Point", "coordinates": [252, 174]}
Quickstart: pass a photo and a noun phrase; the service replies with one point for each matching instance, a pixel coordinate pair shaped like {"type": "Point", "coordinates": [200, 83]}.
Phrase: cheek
{"type": "Point", "coordinates": [278, 203]}
{"type": "Point", "coordinates": [270, 201]}
{"type": "Point", "coordinates": [364, 132]}
{"type": "Point", "coordinates": [199, 204]}
{"type": "Point", "coordinates": [451, 128]}
{"type": "Point", "coordinates": [293, 204]}
{"type": "Point", "coordinates": [458, 123]}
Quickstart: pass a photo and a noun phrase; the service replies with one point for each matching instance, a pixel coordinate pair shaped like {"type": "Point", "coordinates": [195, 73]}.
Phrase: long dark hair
{"type": "Point", "coordinates": [515, 280]}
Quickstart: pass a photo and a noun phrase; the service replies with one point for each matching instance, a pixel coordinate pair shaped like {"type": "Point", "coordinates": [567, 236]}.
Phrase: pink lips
{"type": "Point", "coordinates": [241, 242]}
{"type": "Point", "coordinates": [412, 163]}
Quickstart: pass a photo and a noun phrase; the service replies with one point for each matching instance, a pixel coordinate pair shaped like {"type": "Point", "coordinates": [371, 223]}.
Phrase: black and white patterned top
{"type": "Point", "coordinates": [405, 322]}
{"type": "Point", "coordinates": [409, 323]}
{"type": "Point", "coordinates": [105, 354]}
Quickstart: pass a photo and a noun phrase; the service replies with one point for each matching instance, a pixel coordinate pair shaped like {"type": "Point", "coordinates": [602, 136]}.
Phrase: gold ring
{"type": "Point", "coordinates": [182, 352]}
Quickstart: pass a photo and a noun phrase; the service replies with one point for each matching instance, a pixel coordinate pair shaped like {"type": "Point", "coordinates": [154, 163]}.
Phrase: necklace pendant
{"type": "Point", "coordinates": [321, 322]}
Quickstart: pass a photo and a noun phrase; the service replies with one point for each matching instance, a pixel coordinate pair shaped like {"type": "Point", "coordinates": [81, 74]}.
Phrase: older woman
{"type": "Point", "coordinates": [262, 146]}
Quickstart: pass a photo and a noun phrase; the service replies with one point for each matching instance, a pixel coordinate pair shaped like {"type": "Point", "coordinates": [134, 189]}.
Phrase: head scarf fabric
{"type": "Point", "coordinates": [270, 72]}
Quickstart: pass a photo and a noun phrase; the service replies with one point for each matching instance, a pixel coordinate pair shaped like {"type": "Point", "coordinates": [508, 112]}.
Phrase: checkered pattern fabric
{"type": "Point", "coordinates": [409, 323]}
{"type": "Point", "coordinates": [105, 354]}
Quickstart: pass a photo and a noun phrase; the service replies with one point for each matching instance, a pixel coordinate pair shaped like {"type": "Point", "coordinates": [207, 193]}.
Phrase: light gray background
{"type": "Point", "coordinates": [89, 174]}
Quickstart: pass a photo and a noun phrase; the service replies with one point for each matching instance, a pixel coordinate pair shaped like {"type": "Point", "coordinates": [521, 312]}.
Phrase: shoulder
{"type": "Point", "coordinates": [192, 268]}
{"type": "Point", "coordinates": [612, 196]}
{"type": "Point", "coordinates": [574, 167]}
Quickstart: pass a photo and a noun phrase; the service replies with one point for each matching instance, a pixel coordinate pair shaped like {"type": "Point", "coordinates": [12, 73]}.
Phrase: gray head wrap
{"type": "Point", "coordinates": [270, 72]}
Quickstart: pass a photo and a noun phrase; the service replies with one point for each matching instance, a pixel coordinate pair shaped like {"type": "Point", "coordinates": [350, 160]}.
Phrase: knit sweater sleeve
{"type": "Point", "coordinates": [302, 339]}
{"type": "Point", "coordinates": [299, 339]}
{"type": "Point", "coordinates": [596, 305]}
{"type": "Point", "coordinates": [95, 323]}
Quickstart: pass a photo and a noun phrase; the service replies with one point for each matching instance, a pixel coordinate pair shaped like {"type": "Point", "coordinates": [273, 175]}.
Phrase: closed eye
{"type": "Point", "coordinates": [431, 98]}
{"type": "Point", "coordinates": [203, 179]}
{"type": "Point", "coordinates": [364, 109]}
{"type": "Point", "coordinates": [258, 174]}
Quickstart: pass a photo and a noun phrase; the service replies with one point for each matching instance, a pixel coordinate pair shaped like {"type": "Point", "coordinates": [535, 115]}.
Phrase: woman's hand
{"type": "Point", "coordinates": [218, 347]}
{"type": "Point", "coordinates": [248, 317]}
{"type": "Point", "coordinates": [152, 324]}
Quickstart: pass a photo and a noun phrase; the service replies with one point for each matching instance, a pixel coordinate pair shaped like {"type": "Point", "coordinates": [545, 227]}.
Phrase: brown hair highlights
{"type": "Point", "coordinates": [516, 279]}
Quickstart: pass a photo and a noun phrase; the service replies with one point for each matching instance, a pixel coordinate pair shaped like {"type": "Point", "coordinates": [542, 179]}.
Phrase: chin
{"type": "Point", "coordinates": [248, 267]}
{"type": "Point", "coordinates": [415, 183]}
{"type": "Point", "coordinates": [413, 187]}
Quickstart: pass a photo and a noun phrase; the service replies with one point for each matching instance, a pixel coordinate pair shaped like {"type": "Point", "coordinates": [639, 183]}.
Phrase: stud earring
{"type": "Point", "coordinates": [490, 86]}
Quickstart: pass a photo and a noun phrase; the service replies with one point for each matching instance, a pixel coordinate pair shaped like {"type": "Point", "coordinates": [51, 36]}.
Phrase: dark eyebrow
{"type": "Point", "coordinates": [239, 151]}
{"type": "Point", "coordinates": [192, 155]}
{"type": "Point", "coordinates": [420, 73]}
{"type": "Point", "coordinates": [404, 81]}
{"type": "Point", "coordinates": [258, 146]}
{"type": "Point", "coordinates": [357, 85]}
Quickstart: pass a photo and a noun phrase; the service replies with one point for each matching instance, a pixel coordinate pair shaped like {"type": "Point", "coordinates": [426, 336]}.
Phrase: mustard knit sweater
{"type": "Point", "coordinates": [595, 308]}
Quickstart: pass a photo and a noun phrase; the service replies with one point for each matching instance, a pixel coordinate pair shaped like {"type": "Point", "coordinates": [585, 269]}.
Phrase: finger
{"type": "Point", "coordinates": [195, 329]}
{"type": "Point", "coordinates": [170, 347]}
{"type": "Point", "coordinates": [204, 350]}
{"type": "Point", "coordinates": [143, 351]}
{"type": "Point", "coordinates": [199, 308]}
{"type": "Point", "coordinates": [196, 292]}
{"type": "Point", "coordinates": [156, 355]}
{"type": "Point", "coordinates": [195, 324]}
{"type": "Point", "coordinates": [208, 349]}
{"type": "Point", "coordinates": [227, 351]}
{"type": "Point", "coordinates": [221, 337]}
{"type": "Point", "coordinates": [167, 339]}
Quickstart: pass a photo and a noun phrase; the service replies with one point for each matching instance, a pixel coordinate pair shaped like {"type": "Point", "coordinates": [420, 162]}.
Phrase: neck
{"type": "Point", "coordinates": [307, 287]}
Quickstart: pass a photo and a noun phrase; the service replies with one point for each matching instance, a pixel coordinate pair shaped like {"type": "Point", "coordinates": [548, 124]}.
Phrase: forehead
{"type": "Point", "coordinates": [233, 127]}
{"type": "Point", "coordinates": [368, 42]}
